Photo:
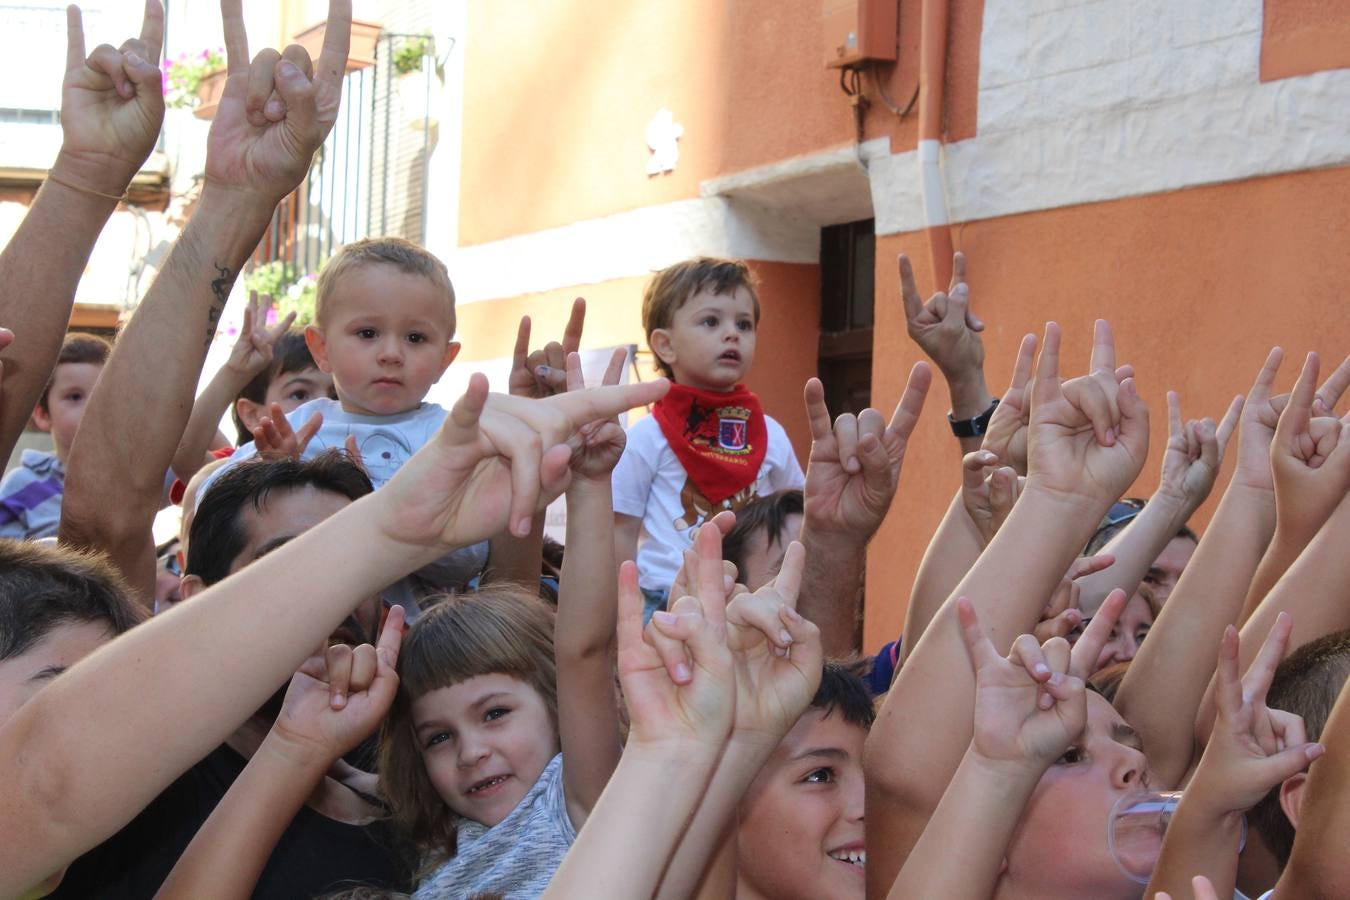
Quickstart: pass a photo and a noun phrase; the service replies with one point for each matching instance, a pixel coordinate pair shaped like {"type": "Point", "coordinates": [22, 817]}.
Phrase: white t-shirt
{"type": "Point", "coordinates": [650, 483]}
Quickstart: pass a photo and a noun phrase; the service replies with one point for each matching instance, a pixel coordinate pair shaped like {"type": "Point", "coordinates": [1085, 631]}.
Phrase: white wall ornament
{"type": "Point", "coordinates": [663, 134]}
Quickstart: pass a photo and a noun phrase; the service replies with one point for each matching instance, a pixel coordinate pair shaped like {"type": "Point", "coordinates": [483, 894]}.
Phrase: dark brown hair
{"type": "Point", "coordinates": [78, 347]}
{"type": "Point", "coordinates": [672, 286]}
{"type": "Point", "coordinates": [768, 513]}
{"type": "Point", "coordinates": [498, 629]}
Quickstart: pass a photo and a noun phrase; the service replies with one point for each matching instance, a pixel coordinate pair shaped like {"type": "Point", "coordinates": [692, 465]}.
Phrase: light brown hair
{"type": "Point", "coordinates": [403, 255]}
{"type": "Point", "coordinates": [499, 629]}
{"type": "Point", "coordinates": [672, 286]}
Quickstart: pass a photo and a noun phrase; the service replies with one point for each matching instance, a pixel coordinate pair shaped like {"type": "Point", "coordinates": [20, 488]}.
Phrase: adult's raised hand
{"type": "Point", "coordinates": [276, 110]}
{"type": "Point", "coordinates": [112, 105]}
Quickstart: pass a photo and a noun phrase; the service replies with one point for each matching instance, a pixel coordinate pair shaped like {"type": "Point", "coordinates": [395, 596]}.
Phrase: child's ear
{"type": "Point", "coordinates": [1291, 797]}
{"type": "Point", "coordinates": [661, 345]}
{"type": "Point", "coordinates": [190, 586]}
{"type": "Point", "coordinates": [318, 348]}
{"type": "Point", "coordinates": [451, 351]}
{"type": "Point", "coordinates": [249, 413]}
{"type": "Point", "coordinates": [42, 418]}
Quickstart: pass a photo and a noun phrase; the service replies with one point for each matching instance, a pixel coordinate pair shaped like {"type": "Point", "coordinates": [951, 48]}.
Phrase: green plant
{"type": "Point", "coordinates": [408, 57]}
{"type": "Point", "coordinates": [290, 290]}
{"type": "Point", "coordinates": [181, 76]}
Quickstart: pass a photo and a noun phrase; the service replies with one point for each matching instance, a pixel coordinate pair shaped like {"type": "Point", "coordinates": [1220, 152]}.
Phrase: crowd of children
{"type": "Point", "coordinates": [366, 675]}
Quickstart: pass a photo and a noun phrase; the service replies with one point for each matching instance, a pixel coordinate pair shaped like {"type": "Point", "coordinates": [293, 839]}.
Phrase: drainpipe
{"type": "Point", "coordinates": [932, 83]}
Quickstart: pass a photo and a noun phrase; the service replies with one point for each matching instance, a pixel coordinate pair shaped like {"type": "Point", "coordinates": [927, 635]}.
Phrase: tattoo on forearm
{"type": "Point", "coordinates": [220, 291]}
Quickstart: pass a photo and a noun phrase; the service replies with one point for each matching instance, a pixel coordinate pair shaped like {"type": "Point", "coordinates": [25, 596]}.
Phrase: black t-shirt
{"type": "Point", "coordinates": [315, 856]}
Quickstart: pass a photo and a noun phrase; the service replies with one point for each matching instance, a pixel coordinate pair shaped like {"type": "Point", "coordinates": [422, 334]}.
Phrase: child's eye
{"type": "Point", "coordinates": [75, 397]}
{"type": "Point", "coordinates": [300, 396]}
{"type": "Point", "coordinates": [366, 333]}
{"type": "Point", "coordinates": [1140, 635]}
{"type": "Point", "coordinates": [710, 321]}
{"type": "Point", "coordinates": [745, 325]}
{"type": "Point", "coordinates": [497, 712]}
{"type": "Point", "coordinates": [824, 775]}
{"type": "Point", "coordinates": [439, 737]}
{"type": "Point", "coordinates": [416, 337]}
{"type": "Point", "coordinates": [1071, 756]}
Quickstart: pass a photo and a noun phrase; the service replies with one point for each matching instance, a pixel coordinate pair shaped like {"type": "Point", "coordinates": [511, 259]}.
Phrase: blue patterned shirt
{"type": "Point", "coordinates": [30, 497]}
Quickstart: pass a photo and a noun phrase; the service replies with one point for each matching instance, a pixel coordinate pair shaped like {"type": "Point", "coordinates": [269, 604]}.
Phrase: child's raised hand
{"type": "Point", "coordinates": [597, 446]}
{"type": "Point", "coordinates": [944, 327]}
{"type": "Point", "coordinates": [339, 696]}
{"type": "Point", "coordinates": [677, 679]}
{"type": "Point", "coordinates": [854, 466]}
{"type": "Point", "coordinates": [777, 653]}
{"type": "Point", "coordinates": [1194, 452]}
{"type": "Point", "coordinates": [1309, 458]}
{"type": "Point", "coordinates": [1062, 614]}
{"type": "Point", "coordinates": [275, 439]}
{"type": "Point", "coordinates": [496, 461]}
{"type": "Point", "coordinates": [112, 105]}
{"type": "Point", "coordinates": [252, 351]}
{"type": "Point", "coordinates": [988, 498]}
{"type": "Point", "coordinates": [1006, 436]}
{"type": "Point", "coordinates": [1088, 437]}
{"type": "Point", "coordinates": [543, 372]}
{"type": "Point", "coordinates": [686, 580]}
{"type": "Point", "coordinates": [1029, 708]}
{"type": "Point", "coordinates": [1252, 748]}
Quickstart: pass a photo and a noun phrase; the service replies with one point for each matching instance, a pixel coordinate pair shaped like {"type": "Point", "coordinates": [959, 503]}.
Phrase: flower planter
{"type": "Point", "coordinates": [361, 52]}
{"type": "Point", "coordinates": [209, 91]}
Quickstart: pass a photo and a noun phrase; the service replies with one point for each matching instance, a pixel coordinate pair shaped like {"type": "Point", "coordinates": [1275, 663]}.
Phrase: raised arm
{"type": "Point", "coordinates": [111, 109]}
{"type": "Point", "coordinates": [175, 687]}
{"type": "Point", "coordinates": [679, 727]}
{"type": "Point", "coordinates": [1191, 462]}
{"type": "Point", "coordinates": [250, 356]}
{"type": "Point", "coordinates": [1028, 709]}
{"type": "Point", "coordinates": [970, 521]}
{"type": "Point", "coordinates": [1253, 749]}
{"type": "Point", "coordinates": [1301, 512]}
{"type": "Point", "coordinates": [1161, 693]}
{"type": "Point", "coordinates": [851, 479]}
{"type": "Point", "coordinates": [335, 701]}
{"type": "Point", "coordinates": [251, 164]}
{"type": "Point", "coordinates": [538, 374]}
{"type": "Point", "coordinates": [1087, 440]}
{"type": "Point", "coordinates": [588, 717]}
{"type": "Point", "coordinates": [948, 331]}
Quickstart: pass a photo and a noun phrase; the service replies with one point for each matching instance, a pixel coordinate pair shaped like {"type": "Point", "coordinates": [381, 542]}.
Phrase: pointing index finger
{"type": "Point", "coordinates": [909, 291]}
{"type": "Point", "coordinates": [817, 413]}
{"type": "Point", "coordinates": [74, 39]}
{"type": "Point", "coordinates": [1103, 347]}
{"type": "Point", "coordinates": [520, 354]}
{"type": "Point", "coordinates": [391, 637]}
{"type": "Point", "coordinates": [152, 29]}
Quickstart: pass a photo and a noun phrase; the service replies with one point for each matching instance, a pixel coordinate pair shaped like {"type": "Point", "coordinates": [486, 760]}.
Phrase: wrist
{"type": "Point", "coordinates": [591, 488]}
{"type": "Point", "coordinates": [1013, 774]}
{"type": "Point", "coordinates": [834, 544]}
{"type": "Point", "coordinates": [104, 174]}
{"type": "Point", "coordinates": [969, 393]}
{"type": "Point", "coordinates": [307, 759]}
{"type": "Point", "coordinates": [664, 754]}
{"type": "Point", "coordinates": [1172, 502]}
{"type": "Point", "coordinates": [1084, 508]}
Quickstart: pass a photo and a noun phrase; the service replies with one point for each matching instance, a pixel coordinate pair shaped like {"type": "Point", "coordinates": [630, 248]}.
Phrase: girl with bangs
{"type": "Point", "coordinates": [502, 737]}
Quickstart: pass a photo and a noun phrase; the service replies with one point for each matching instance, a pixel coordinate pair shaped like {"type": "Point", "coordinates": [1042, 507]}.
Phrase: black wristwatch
{"type": "Point", "coordinates": [964, 428]}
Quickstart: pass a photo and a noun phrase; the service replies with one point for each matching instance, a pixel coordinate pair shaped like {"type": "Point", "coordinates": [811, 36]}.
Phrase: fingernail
{"type": "Point", "coordinates": [682, 672]}
{"type": "Point", "coordinates": [287, 69]}
{"type": "Point", "coordinates": [664, 617]}
{"type": "Point", "coordinates": [1041, 669]}
{"type": "Point", "coordinates": [779, 652]}
{"type": "Point", "coordinates": [1074, 616]}
{"type": "Point", "coordinates": [523, 526]}
{"type": "Point", "coordinates": [1045, 701]}
{"type": "Point", "coordinates": [339, 701]}
{"type": "Point", "coordinates": [1316, 750]}
{"type": "Point", "coordinates": [275, 108]}
{"type": "Point", "coordinates": [727, 583]}
{"type": "Point", "coordinates": [135, 59]}
{"type": "Point", "coordinates": [1056, 679]}
{"type": "Point", "coordinates": [543, 371]}
{"type": "Point", "coordinates": [784, 637]}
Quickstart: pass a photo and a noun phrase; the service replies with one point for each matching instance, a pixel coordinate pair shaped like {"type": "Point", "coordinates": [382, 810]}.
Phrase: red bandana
{"type": "Point", "coordinates": [720, 439]}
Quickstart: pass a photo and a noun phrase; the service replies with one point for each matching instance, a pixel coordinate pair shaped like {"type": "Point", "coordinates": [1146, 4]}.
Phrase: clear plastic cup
{"type": "Point", "coordinates": [1136, 829]}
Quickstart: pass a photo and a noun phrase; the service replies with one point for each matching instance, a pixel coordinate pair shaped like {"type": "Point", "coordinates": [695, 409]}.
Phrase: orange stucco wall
{"type": "Point", "coordinates": [557, 97]}
{"type": "Point", "coordinates": [786, 349]}
{"type": "Point", "coordinates": [1199, 284]}
{"type": "Point", "coordinates": [1299, 37]}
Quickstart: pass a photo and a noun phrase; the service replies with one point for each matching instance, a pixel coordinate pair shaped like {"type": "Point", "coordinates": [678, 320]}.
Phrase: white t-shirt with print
{"type": "Point", "coordinates": [650, 483]}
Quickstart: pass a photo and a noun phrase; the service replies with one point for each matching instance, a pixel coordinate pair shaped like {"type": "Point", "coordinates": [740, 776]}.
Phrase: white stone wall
{"type": "Point", "coordinates": [1088, 101]}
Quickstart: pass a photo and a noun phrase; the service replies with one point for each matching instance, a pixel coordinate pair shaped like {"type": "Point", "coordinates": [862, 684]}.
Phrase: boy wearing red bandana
{"type": "Point", "coordinates": [708, 446]}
